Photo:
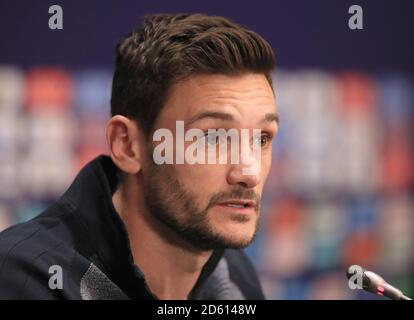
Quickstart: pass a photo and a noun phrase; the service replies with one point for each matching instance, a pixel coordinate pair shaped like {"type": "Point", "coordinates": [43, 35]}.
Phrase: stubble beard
{"type": "Point", "coordinates": [175, 207]}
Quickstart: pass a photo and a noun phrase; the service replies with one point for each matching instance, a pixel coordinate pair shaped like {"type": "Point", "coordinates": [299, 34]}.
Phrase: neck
{"type": "Point", "coordinates": [171, 266]}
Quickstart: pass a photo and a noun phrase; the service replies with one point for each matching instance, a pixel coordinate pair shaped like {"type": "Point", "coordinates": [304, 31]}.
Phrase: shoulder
{"type": "Point", "coordinates": [29, 254]}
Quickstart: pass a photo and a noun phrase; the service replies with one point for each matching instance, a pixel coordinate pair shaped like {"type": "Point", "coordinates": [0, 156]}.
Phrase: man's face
{"type": "Point", "coordinates": [213, 205]}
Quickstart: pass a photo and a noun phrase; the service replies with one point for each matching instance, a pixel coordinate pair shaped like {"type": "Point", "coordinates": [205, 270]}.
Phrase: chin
{"type": "Point", "coordinates": [236, 242]}
{"type": "Point", "coordinates": [237, 236]}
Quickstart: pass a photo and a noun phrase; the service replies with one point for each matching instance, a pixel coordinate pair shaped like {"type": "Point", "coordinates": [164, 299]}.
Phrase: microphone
{"type": "Point", "coordinates": [373, 283]}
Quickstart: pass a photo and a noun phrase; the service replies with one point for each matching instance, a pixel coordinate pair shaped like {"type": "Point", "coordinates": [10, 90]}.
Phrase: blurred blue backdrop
{"type": "Point", "coordinates": [340, 191]}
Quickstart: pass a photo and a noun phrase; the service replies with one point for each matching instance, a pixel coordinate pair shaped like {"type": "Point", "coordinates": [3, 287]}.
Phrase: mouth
{"type": "Point", "coordinates": [238, 204]}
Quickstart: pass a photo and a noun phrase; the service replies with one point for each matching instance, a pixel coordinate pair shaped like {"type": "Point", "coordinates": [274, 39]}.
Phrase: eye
{"type": "Point", "coordinates": [212, 138]}
{"type": "Point", "coordinates": [263, 140]}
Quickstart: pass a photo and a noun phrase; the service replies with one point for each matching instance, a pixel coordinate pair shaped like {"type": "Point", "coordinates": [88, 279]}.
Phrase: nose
{"type": "Point", "coordinates": [245, 174]}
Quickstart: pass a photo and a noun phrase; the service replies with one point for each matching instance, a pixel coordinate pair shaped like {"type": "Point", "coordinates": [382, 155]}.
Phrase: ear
{"type": "Point", "coordinates": [125, 143]}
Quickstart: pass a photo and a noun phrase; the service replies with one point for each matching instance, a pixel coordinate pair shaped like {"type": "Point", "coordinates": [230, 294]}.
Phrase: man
{"type": "Point", "coordinates": [129, 228]}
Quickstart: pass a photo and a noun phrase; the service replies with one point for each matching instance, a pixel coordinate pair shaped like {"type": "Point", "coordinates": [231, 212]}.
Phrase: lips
{"type": "Point", "coordinates": [238, 204]}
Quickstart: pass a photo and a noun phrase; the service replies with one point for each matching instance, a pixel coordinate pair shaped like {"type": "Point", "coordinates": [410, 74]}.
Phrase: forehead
{"type": "Point", "coordinates": [245, 96]}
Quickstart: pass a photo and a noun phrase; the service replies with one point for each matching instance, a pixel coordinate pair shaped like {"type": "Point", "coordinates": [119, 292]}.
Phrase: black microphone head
{"type": "Point", "coordinates": [356, 272]}
{"type": "Point", "coordinates": [372, 282]}
{"type": "Point", "coordinates": [352, 270]}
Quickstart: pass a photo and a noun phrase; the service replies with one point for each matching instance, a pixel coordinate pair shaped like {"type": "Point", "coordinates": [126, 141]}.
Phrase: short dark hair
{"type": "Point", "coordinates": [172, 47]}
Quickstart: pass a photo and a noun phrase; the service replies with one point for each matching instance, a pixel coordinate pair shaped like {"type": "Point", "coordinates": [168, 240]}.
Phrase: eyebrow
{"type": "Point", "coordinates": [268, 117]}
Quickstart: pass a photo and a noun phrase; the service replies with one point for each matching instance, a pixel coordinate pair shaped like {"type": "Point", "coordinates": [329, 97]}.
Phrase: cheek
{"type": "Point", "coordinates": [266, 164]}
{"type": "Point", "coordinates": [202, 178]}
